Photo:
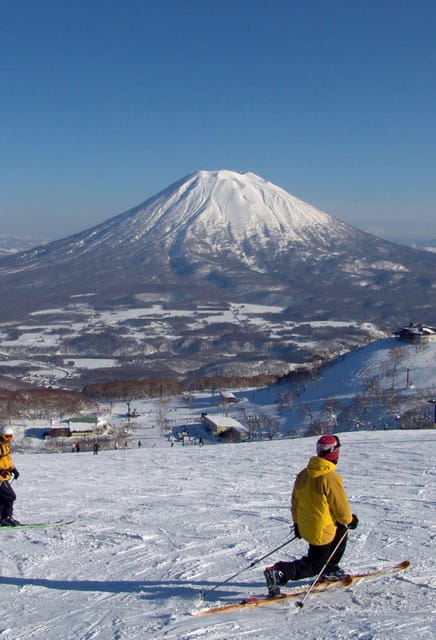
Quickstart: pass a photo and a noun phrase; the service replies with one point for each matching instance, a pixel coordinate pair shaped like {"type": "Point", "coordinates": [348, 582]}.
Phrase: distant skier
{"type": "Point", "coordinates": [321, 516]}
{"type": "Point", "coordinates": [7, 471]}
{"type": "Point", "coordinates": [96, 448]}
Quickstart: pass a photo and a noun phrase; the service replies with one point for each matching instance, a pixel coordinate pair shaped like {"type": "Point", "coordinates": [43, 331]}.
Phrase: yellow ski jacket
{"type": "Point", "coordinates": [6, 463]}
{"type": "Point", "coordinates": [319, 502]}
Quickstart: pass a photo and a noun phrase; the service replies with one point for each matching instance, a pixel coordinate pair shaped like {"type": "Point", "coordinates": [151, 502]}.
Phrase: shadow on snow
{"type": "Point", "coordinates": [146, 589]}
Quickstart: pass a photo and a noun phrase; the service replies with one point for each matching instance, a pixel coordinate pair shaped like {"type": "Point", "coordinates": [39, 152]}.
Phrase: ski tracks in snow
{"type": "Point", "coordinates": [154, 528]}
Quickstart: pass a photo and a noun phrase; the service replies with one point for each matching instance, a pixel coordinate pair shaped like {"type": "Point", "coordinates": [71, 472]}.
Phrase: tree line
{"type": "Point", "coordinates": [160, 387]}
{"type": "Point", "coordinates": [40, 402]}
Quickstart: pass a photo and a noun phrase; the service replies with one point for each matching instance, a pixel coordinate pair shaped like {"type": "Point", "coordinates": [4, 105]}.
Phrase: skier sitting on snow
{"type": "Point", "coordinates": [321, 516]}
{"type": "Point", "coordinates": [7, 470]}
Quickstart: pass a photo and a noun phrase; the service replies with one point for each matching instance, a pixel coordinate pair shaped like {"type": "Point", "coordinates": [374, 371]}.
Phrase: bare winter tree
{"type": "Point", "coordinates": [331, 411]}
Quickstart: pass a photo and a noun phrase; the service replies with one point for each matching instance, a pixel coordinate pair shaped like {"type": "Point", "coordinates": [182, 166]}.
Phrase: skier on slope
{"type": "Point", "coordinates": [7, 471]}
{"type": "Point", "coordinates": [321, 516]}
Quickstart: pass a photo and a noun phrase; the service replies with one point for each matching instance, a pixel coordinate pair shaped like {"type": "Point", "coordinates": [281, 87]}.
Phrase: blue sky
{"type": "Point", "coordinates": [104, 103]}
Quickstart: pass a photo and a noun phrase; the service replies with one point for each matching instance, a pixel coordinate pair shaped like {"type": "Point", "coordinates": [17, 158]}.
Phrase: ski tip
{"type": "Point", "coordinates": [405, 564]}
{"type": "Point", "coordinates": [38, 525]}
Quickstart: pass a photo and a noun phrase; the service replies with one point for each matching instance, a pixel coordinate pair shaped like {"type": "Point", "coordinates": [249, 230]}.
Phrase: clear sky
{"type": "Point", "coordinates": [106, 102]}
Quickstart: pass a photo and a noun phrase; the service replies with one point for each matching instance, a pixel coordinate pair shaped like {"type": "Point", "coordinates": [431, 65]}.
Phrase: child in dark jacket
{"type": "Point", "coordinates": [7, 471]}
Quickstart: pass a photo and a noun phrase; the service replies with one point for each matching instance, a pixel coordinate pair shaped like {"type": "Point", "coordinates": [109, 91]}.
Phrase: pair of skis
{"type": "Point", "coordinates": [37, 525]}
{"type": "Point", "coordinates": [297, 593]}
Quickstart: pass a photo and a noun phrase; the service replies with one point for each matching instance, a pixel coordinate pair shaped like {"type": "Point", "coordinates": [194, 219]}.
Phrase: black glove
{"type": "Point", "coordinates": [297, 533]}
{"type": "Point", "coordinates": [354, 522]}
{"type": "Point", "coordinates": [15, 473]}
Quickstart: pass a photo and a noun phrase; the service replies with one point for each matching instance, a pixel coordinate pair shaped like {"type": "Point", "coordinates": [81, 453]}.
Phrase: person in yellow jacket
{"type": "Point", "coordinates": [7, 471]}
{"type": "Point", "coordinates": [321, 515]}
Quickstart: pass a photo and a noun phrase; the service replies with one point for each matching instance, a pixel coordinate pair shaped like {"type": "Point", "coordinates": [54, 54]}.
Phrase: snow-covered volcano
{"type": "Point", "coordinates": [227, 227]}
{"type": "Point", "coordinates": [222, 237]}
{"type": "Point", "coordinates": [225, 211]}
{"type": "Point", "coordinates": [208, 215]}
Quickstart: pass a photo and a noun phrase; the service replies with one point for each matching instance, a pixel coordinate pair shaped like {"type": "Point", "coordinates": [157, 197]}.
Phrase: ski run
{"type": "Point", "coordinates": [154, 527]}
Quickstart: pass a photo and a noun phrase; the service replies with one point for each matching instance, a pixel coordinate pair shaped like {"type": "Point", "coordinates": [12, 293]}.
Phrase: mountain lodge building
{"type": "Point", "coordinates": [416, 333]}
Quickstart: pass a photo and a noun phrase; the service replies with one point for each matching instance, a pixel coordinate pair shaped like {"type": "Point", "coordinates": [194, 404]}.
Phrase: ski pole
{"type": "Point", "coordinates": [300, 603]}
{"type": "Point", "coordinates": [252, 564]}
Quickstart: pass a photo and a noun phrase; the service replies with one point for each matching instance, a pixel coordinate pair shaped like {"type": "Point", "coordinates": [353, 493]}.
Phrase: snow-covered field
{"type": "Point", "coordinates": [31, 348]}
{"type": "Point", "coordinates": [155, 526]}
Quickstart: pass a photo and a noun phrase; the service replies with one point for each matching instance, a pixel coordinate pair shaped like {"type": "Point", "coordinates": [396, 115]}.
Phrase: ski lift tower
{"type": "Point", "coordinates": [433, 402]}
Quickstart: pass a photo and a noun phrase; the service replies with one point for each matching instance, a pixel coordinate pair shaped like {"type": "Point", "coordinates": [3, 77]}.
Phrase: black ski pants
{"type": "Point", "coordinates": [317, 555]}
{"type": "Point", "coordinates": [7, 498]}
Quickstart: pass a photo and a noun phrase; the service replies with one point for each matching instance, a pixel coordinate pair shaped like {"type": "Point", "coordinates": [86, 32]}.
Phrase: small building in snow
{"type": "Point", "coordinates": [228, 397]}
{"type": "Point", "coordinates": [225, 427]}
{"type": "Point", "coordinates": [416, 333]}
{"type": "Point", "coordinates": [78, 427]}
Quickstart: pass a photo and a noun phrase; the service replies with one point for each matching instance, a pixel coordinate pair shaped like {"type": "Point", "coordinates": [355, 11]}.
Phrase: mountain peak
{"type": "Point", "coordinates": [226, 209]}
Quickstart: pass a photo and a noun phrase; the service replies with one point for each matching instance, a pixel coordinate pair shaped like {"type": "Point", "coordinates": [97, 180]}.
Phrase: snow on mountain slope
{"type": "Point", "coordinates": [214, 209]}
{"type": "Point", "coordinates": [385, 384]}
{"type": "Point", "coordinates": [154, 527]}
{"type": "Point", "coordinates": [396, 365]}
{"type": "Point", "coordinates": [247, 208]}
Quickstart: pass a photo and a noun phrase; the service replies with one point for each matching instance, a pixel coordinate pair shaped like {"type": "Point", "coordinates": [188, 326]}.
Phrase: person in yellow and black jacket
{"type": "Point", "coordinates": [321, 515]}
{"type": "Point", "coordinates": [7, 471]}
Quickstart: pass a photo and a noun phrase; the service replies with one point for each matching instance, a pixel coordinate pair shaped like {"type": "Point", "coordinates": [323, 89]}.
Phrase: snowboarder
{"type": "Point", "coordinates": [7, 471]}
{"type": "Point", "coordinates": [321, 516]}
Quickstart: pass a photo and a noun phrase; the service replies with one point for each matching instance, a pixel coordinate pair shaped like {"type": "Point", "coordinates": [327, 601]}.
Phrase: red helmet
{"type": "Point", "coordinates": [328, 447]}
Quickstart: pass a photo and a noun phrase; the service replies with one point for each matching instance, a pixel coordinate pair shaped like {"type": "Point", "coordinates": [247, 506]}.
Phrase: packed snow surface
{"type": "Point", "coordinates": [156, 526]}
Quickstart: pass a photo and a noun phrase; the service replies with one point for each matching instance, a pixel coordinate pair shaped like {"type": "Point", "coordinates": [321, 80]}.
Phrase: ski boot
{"type": "Point", "coordinates": [332, 572]}
{"type": "Point", "coordinates": [9, 522]}
{"type": "Point", "coordinates": [274, 578]}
